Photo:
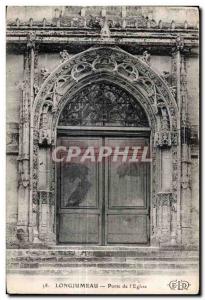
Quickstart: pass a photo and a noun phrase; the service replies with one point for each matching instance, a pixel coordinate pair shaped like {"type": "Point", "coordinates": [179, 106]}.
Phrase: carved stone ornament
{"type": "Point", "coordinates": [64, 55]}
{"type": "Point", "coordinates": [174, 138]}
{"type": "Point", "coordinates": [103, 104]}
{"type": "Point", "coordinates": [44, 73]}
{"type": "Point", "coordinates": [151, 92]}
{"type": "Point", "coordinates": [133, 18]}
{"type": "Point", "coordinates": [103, 87]}
{"type": "Point", "coordinates": [179, 42]}
{"type": "Point", "coordinates": [36, 89]}
{"type": "Point", "coordinates": [31, 38]}
{"type": "Point", "coordinates": [165, 199]}
{"type": "Point", "coordinates": [163, 139]}
{"type": "Point", "coordinates": [23, 173]}
{"type": "Point", "coordinates": [44, 136]}
{"type": "Point", "coordinates": [105, 30]}
{"type": "Point", "coordinates": [109, 60]}
{"type": "Point", "coordinates": [44, 197]}
{"type": "Point", "coordinates": [146, 57]}
{"type": "Point", "coordinates": [45, 125]}
{"type": "Point", "coordinates": [186, 182]}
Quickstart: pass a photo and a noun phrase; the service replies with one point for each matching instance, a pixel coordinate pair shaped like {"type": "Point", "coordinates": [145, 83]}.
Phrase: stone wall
{"type": "Point", "coordinates": [166, 14]}
{"type": "Point", "coordinates": [11, 197]}
{"type": "Point", "coordinates": [193, 116]}
{"type": "Point", "coordinates": [14, 78]}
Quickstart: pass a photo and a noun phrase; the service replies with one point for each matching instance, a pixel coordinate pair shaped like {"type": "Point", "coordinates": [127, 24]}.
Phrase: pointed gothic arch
{"type": "Point", "coordinates": [134, 76]}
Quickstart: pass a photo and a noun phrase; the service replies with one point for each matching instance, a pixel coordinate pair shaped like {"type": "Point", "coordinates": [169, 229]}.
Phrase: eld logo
{"type": "Point", "coordinates": [179, 285]}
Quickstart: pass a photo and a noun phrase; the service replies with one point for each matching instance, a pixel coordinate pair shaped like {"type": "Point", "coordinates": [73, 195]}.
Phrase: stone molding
{"type": "Point", "coordinates": [114, 66]}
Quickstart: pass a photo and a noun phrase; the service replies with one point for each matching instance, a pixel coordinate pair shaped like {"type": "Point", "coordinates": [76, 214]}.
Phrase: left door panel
{"type": "Point", "coordinates": [79, 191]}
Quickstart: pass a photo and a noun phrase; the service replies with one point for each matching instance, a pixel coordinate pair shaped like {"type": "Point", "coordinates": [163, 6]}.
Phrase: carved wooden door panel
{"type": "Point", "coordinates": [103, 202]}
{"type": "Point", "coordinates": [80, 195]}
{"type": "Point", "coordinates": [127, 193]}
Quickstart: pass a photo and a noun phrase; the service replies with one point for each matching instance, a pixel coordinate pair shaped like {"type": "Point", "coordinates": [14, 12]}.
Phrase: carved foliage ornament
{"type": "Point", "coordinates": [103, 104]}
{"type": "Point", "coordinates": [64, 55]}
{"type": "Point", "coordinates": [125, 88]}
{"type": "Point", "coordinates": [115, 62]}
{"type": "Point", "coordinates": [126, 70]}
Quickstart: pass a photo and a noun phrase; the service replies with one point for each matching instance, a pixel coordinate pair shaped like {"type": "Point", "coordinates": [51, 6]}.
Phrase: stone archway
{"type": "Point", "coordinates": [137, 78]}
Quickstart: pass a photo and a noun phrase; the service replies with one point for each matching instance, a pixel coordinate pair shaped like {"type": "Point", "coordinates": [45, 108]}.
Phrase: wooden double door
{"type": "Point", "coordinates": [103, 201]}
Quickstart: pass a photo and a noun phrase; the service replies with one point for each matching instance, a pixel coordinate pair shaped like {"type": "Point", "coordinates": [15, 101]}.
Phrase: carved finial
{"type": "Point", "coordinates": [57, 13]}
{"type": "Point", "coordinates": [44, 22]}
{"type": "Point", "coordinates": [105, 30]}
{"type": "Point", "coordinates": [148, 23]}
{"type": "Point", "coordinates": [124, 12]}
{"type": "Point", "coordinates": [64, 55]}
{"type": "Point", "coordinates": [17, 22]}
{"type": "Point", "coordinates": [146, 57]}
{"type": "Point", "coordinates": [103, 12]}
{"type": "Point", "coordinates": [172, 25]}
{"type": "Point", "coordinates": [160, 24]}
{"type": "Point", "coordinates": [124, 23]}
{"type": "Point", "coordinates": [58, 23]}
{"type": "Point", "coordinates": [30, 22]}
{"type": "Point", "coordinates": [179, 42]}
{"type": "Point", "coordinates": [185, 25]}
{"type": "Point", "coordinates": [82, 12]}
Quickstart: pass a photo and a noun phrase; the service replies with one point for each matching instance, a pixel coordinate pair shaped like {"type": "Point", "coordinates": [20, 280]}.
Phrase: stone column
{"type": "Point", "coordinates": [166, 198]}
{"type": "Point", "coordinates": [184, 199]}
{"type": "Point", "coordinates": [45, 170]}
{"type": "Point", "coordinates": [185, 160]}
{"type": "Point", "coordinates": [23, 223]}
{"type": "Point", "coordinates": [175, 86]}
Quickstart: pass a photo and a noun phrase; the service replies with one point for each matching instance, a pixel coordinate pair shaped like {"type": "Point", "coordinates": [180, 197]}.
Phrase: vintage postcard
{"type": "Point", "coordinates": [103, 150]}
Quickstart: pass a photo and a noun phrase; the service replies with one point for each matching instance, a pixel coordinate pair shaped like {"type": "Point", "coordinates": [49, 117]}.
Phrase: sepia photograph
{"type": "Point", "coordinates": [102, 150]}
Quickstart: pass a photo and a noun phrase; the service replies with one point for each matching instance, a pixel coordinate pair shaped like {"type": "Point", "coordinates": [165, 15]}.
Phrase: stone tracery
{"type": "Point", "coordinates": [103, 104]}
{"type": "Point", "coordinates": [113, 67]}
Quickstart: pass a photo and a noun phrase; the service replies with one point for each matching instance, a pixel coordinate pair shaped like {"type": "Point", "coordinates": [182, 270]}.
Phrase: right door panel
{"type": "Point", "coordinates": [127, 192]}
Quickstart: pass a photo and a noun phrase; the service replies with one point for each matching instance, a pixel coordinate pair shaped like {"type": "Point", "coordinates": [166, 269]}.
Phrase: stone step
{"type": "Point", "coordinates": [98, 259]}
{"type": "Point", "coordinates": [131, 262]}
{"type": "Point", "coordinates": [115, 265]}
{"type": "Point", "coordinates": [69, 272]}
{"type": "Point", "coordinates": [102, 253]}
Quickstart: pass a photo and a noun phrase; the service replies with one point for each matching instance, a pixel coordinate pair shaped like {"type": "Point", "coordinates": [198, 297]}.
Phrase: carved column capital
{"type": "Point", "coordinates": [165, 199]}
{"type": "Point", "coordinates": [45, 137]}
{"type": "Point", "coordinates": [44, 197]}
{"type": "Point", "coordinates": [162, 139]}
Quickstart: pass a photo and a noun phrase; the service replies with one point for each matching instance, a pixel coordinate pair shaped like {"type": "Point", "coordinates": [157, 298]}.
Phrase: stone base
{"type": "Point", "coordinates": [104, 260]}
